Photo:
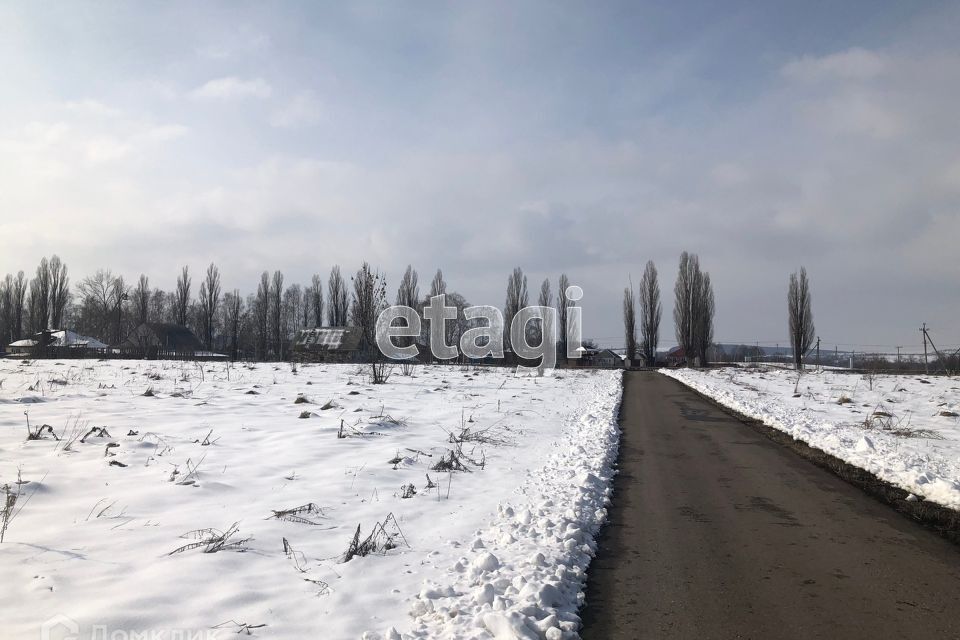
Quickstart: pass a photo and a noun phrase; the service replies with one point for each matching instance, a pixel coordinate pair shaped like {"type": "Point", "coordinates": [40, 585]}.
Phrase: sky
{"type": "Point", "coordinates": [560, 137]}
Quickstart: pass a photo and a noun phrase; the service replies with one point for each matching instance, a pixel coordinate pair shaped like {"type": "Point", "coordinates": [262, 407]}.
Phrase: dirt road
{"type": "Point", "coordinates": [717, 532]}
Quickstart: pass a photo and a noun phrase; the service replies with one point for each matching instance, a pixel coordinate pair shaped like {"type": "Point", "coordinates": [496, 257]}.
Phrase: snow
{"type": "Point", "coordinates": [903, 429]}
{"type": "Point", "coordinates": [499, 551]}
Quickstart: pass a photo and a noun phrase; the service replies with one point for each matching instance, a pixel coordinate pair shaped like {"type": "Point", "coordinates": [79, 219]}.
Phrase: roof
{"type": "Point", "coordinates": [67, 338]}
{"type": "Point", "coordinates": [329, 339]}
{"type": "Point", "coordinates": [26, 342]}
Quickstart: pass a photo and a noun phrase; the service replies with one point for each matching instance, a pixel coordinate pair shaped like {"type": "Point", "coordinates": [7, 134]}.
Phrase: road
{"type": "Point", "coordinates": [717, 532]}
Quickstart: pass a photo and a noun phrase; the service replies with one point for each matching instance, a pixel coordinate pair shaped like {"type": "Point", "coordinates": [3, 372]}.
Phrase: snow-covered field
{"type": "Point", "coordinates": [210, 506]}
{"type": "Point", "coordinates": [903, 429]}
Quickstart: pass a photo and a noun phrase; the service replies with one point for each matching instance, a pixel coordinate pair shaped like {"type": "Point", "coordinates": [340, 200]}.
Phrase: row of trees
{"type": "Point", "coordinates": [693, 312]}
{"type": "Point", "coordinates": [261, 324]}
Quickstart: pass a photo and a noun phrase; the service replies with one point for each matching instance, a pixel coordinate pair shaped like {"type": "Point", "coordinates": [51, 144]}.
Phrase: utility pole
{"type": "Point", "coordinates": [923, 330]}
{"type": "Point", "coordinates": [898, 358]}
{"type": "Point", "coordinates": [818, 353]}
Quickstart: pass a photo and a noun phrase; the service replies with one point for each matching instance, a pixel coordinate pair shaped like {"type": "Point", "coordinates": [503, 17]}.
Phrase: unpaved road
{"type": "Point", "coordinates": [717, 532]}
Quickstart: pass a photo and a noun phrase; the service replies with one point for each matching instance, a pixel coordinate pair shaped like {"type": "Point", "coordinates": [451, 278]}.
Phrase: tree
{"type": "Point", "coordinates": [34, 306]}
{"type": "Point", "coordinates": [96, 304]}
{"type": "Point", "coordinates": [119, 293]}
{"type": "Point", "coordinates": [438, 286]}
{"type": "Point", "coordinates": [158, 306]}
{"type": "Point", "coordinates": [543, 328]}
{"type": "Point", "coordinates": [6, 310]}
{"type": "Point", "coordinates": [276, 313]}
{"type": "Point", "coordinates": [338, 306]}
{"type": "Point", "coordinates": [182, 304]}
{"type": "Point", "coordinates": [650, 313]}
{"type": "Point", "coordinates": [408, 293]}
{"type": "Point", "coordinates": [233, 315]}
{"type": "Point", "coordinates": [141, 299]}
{"type": "Point", "coordinates": [703, 325]}
{"type": "Point", "coordinates": [19, 300]}
{"type": "Point", "coordinates": [316, 299]}
{"type": "Point", "coordinates": [209, 301]}
{"type": "Point", "coordinates": [59, 291]}
{"type": "Point", "coordinates": [800, 316]}
{"type": "Point", "coordinates": [40, 297]}
{"type": "Point", "coordinates": [517, 298]}
{"type": "Point", "coordinates": [693, 310]}
{"type": "Point", "coordinates": [261, 314]}
{"type": "Point", "coordinates": [630, 322]}
{"type": "Point", "coordinates": [369, 299]}
{"type": "Point", "coordinates": [562, 315]}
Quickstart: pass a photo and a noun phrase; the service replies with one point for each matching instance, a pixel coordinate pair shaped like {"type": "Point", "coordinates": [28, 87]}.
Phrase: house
{"type": "Point", "coordinates": [600, 358]}
{"type": "Point", "coordinates": [328, 344]}
{"type": "Point", "coordinates": [61, 343]}
{"type": "Point", "coordinates": [66, 339]}
{"type": "Point", "coordinates": [162, 340]}
{"type": "Point", "coordinates": [676, 357]}
{"type": "Point", "coordinates": [23, 347]}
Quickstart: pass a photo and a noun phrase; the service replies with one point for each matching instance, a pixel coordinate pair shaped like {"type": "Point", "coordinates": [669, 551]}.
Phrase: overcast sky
{"type": "Point", "coordinates": [583, 138]}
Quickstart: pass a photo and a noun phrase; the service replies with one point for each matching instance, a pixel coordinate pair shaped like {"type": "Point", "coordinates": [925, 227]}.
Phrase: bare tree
{"type": "Point", "coordinates": [650, 313]}
{"type": "Point", "coordinates": [158, 306]}
{"type": "Point", "coordinates": [119, 293]}
{"type": "Point", "coordinates": [630, 322]}
{"type": "Point", "coordinates": [683, 304]}
{"type": "Point", "coordinates": [182, 297]}
{"type": "Point", "coordinates": [34, 323]}
{"type": "Point", "coordinates": [19, 301]}
{"type": "Point", "coordinates": [233, 319]}
{"type": "Point", "coordinates": [800, 316]}
{"type": "Point", "coordinates": [693, 310]}
{"type": "Point", "coordinates": [276, 313]}
{"type": "Point", "coordinates": [96, 304]}
{"type": "Point", "coordinates": [59, 291]}
{"type": "Point", "coordinates": [261, 313]}
{"type": "Point", "coordinates": [141, 299]}
{"type": "Point", "coordinates": [408, 293]}
{"type": "Point", "coordinates": [209, 301]}
{"type": "Point", "coordinates": [542, 327]}
{"type": "Point", "coordinates": [517, 298]}
{"type": "Point", "coordinates": [438, 286]}
{"type": "Point", "coordinates": [6, 310]}
{"type": "Point", "coordinates": [562, 305]}
{"type": "Point", "coordinates": [338, 306]}
{"type": "Point", "coordinates": [40, 297]}
{"type": "Point", "coordinates": [316, 299]}
{"type": "Point", "coordinates": [703, 315]}
{"type": "Point", "coordinates": [369, 299]}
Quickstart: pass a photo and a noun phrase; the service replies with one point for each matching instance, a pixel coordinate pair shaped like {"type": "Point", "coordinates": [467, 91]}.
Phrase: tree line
{"type": "Point", "coordinates": [693, 314]}
{"type": "Point", "coordinates": [260, 324]}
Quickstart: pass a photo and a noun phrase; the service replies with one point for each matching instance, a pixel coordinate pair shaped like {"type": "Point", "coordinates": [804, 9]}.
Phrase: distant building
{"type": "Point", "coordinates": [23, 347]}
{"type": "Point", "coordinates": [156, 340]}
{"type": "Point", "coordinates": [599, 358]}
{"type": "Point", "coordinates": [676, 357]}
{"type": "Point", "coordinates": [61, 343]}
{"type": "Point", "coordinates": [328, 344]}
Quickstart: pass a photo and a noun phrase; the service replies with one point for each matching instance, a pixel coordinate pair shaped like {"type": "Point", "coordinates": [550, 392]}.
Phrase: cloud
{"type": "Point", "coordinates": [852, 64]}
{"type": "Point", "coordinates": [303, 110]}
{"type": "Point", "coordinates": [231, 87]}
{"type": "Point", "coordinates": [93, 108]}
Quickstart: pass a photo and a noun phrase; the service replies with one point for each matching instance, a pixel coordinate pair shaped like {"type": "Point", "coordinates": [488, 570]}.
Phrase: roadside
{"type": "Point", "coordinates": [717, 531]}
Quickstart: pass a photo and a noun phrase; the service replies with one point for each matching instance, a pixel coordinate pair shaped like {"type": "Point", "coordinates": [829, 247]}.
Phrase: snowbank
{"type": "Point", "coordinates": [903, 429]}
